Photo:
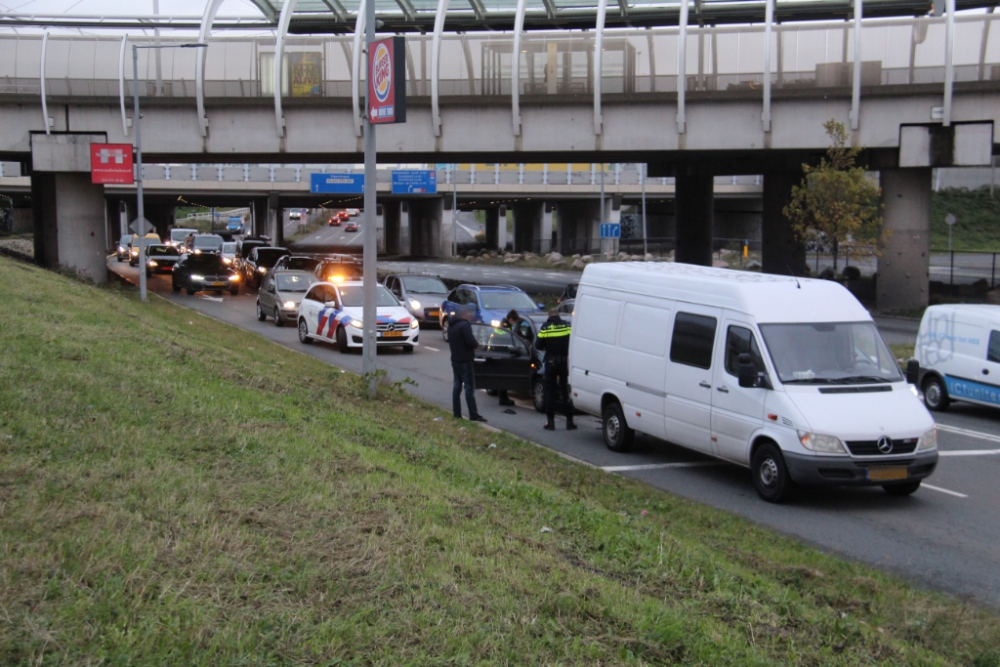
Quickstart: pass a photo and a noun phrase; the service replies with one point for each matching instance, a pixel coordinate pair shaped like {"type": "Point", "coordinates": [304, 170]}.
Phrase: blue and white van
{"type": "Point", "coordinates": [958, 349]}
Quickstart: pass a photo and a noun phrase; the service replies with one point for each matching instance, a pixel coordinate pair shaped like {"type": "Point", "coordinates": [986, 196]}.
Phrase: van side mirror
{"type": "Point", "coordinates": [750, 376]}
{"type": "Point", "coordinates": [913, 372]}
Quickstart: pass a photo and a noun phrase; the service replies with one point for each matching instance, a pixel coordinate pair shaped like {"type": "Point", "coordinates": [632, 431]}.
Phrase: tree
{"type": "Point", "coordinates": [837, 203]}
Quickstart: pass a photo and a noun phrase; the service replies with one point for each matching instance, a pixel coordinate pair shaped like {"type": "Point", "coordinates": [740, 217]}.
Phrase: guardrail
{"type": "Point", "coordinates": [969, 263]}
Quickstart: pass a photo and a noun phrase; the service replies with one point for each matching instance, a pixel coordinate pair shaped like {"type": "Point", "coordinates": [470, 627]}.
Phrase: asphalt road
{"type": "Point", "coordinates": [944, 537]}
{"type": "Point", "coordinates": [335, 237]}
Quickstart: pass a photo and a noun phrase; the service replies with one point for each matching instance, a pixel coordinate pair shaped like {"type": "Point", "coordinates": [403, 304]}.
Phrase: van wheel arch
{"type": "Point", "coordinates": [939, 402]}
{"type": "Point", "coordinates": [618, 437]}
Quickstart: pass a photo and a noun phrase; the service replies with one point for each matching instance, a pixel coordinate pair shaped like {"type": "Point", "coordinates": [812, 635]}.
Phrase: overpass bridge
{"type": "Point", "coordinates": [695, 100]}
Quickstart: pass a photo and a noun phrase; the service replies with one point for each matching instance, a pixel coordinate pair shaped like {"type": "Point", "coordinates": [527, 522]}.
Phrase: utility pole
{"type": "Point", "coordinates": [645, 242]}
{"type": "Point", "coordinates": [369, 274]}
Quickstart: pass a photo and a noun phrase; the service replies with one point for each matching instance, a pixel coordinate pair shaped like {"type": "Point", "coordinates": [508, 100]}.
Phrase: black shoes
{"type": "Point", "coordinates": [549, 427]}
{"type": "Point", "coordinates": [477, 418]}
{"type": "Point", "coordinates": [506, 401]}
{"type": "Point", "coordinates": [570, 426]}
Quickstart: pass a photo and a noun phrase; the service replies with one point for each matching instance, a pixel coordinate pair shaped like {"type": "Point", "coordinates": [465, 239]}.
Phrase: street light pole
{"type": "Point", "coordinates": [140, 221]}
{"type": "Point", "coordinates": [369, 288]}
{"type": "Point", "coordinates": [645, 241]}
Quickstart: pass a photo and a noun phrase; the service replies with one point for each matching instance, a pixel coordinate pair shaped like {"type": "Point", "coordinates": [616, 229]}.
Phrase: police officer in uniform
{"type": "Point", "coordinates": [553, 339]}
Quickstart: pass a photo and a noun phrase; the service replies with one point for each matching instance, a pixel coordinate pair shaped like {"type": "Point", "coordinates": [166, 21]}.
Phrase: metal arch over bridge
{"type": "Point", "coordinates": [543, 65]}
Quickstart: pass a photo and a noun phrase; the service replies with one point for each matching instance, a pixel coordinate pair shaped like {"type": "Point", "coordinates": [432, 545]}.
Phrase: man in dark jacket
{"type": "Point", "coordinates": [463, 346]}
{"type": "Point", "coordinates": [553, 339]}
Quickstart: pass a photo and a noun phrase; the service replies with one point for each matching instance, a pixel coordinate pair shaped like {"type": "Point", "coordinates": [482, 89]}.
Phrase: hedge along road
{"type": "Point", "coordinates": [943, 537]}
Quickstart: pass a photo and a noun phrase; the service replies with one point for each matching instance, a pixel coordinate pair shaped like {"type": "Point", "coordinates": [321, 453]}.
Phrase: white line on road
{"type": "Point", "coordinates": [940, 490]}
{"type": "Point", "coordinates": [970, 434]}
{"type": "Point", "coordinates": [212, 298]}
{"type": "Point", "coordinates": [970, 452]}
{"type": "Point", "coordinates": [659, 466]}
{"type": "Point", "coordinates": [432, 349]}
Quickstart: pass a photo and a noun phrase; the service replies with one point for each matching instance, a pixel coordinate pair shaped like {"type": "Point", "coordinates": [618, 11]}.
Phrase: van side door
{"type": "Point", "coordinates": [690, 380]}
{"type": "Point", "coordinates": [737, 412]}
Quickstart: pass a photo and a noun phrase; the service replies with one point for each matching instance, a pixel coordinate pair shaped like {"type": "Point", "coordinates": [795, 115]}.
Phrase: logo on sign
{"type": "Point", "coordinates": [382, 73]}
{"type": "Point", "coordinates": [106, 155]}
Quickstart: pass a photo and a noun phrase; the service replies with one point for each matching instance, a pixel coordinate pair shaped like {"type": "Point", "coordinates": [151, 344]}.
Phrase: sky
{"type": "Point", "coordinates": [125, 7]}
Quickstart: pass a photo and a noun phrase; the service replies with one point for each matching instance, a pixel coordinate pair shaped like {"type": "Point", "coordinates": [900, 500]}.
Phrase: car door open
{"type": "Point", "coordinates": [502, 360]}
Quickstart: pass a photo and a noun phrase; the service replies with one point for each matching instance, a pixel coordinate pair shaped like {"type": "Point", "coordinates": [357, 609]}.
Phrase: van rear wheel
{"type": "Point", "coordinates": [770, 475]}
{"type": "Point", "coordinates": [617, 435]}
{"type": "Point", "coordinates": [935, 394]}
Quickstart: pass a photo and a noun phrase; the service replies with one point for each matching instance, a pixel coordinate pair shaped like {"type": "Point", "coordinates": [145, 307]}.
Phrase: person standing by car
{"type": "Point", "coordinates": [463, 346]}
{"type": "Point", "coordinates": [553, 339]}
{"type": "Point", "coordinates": [509, 322]}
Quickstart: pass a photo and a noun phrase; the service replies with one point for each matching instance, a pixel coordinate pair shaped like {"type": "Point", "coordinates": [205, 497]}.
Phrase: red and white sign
{"type": "Point", "coordinates": [387, 81]}
{"type": "Point", "coordinates": [111, 164]}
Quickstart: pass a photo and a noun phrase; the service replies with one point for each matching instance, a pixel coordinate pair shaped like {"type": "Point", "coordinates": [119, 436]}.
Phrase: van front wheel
{"type": "Point", "coordinates": [770, 476]}
{"type": "Point", "coordinates": [935, 394]}
{"type": "Point", "coordinates": [617, 435]}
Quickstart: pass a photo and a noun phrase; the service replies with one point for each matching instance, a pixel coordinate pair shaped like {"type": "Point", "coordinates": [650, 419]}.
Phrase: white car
{"type": "Point", "coordinates": [229, 253]}
{"type": "Point", "coordinates": [332, 312]}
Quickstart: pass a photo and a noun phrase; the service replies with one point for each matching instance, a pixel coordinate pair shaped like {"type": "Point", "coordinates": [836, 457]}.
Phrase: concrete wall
{"type": "Point", "coordinates": [903, 268]}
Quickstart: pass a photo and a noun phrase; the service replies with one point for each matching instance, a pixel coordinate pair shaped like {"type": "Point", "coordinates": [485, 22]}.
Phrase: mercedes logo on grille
{"type": "Point", "coordinates": [885, 444]}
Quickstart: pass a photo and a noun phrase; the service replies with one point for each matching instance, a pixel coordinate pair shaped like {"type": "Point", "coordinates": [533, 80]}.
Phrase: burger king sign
{"type": "Point", "coordinates": [387, 81]}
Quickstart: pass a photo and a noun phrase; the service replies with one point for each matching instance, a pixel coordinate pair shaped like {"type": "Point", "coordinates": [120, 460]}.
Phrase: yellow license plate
{"type": "Point", "coordinates": [393, 334]}
{"type": "Point", "coordinates": [435, 313]}
{"type": "Point", "coordinates": [218, 284]}
{"type": "Point", "coordinates": [887, 473]}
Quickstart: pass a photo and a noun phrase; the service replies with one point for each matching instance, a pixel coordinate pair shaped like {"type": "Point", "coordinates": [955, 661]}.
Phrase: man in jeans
{"type": "Point", "coordinates": [463, 350]}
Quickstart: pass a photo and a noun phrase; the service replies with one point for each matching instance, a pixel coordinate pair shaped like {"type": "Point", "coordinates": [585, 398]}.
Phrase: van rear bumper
{"type": "Point", "coordinates": [847, 471]}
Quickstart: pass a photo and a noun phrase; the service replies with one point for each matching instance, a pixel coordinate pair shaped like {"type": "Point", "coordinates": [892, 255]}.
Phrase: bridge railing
{"type": "Point", "coordinates": [561, 64]}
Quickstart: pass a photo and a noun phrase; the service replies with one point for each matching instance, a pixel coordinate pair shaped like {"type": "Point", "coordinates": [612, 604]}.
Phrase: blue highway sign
{"type": "Point", "coordinates": [611, 230]}
{"type": "Point", "coordinates": [351, 184]}
{"type": "Point", "coordinates": [414, 182]}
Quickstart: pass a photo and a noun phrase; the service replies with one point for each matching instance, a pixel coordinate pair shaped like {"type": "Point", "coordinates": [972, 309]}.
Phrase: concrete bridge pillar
{"type": "Point", "coordinates": [528, 222]}
{"type": "Point", "coordinates": [275, 221]}
{"type": "Point", "coordinates": [578, 224]}
{"type": "Point", "coordinates": [447, 245]}
{"type": "Point", "coordinates": [493, 228]}
{"type": "Point", "coordinates": [904, 267]}
{"type": "Point", "coordinates": [258, 216]}
{"type": "Point", "coordinates": [425, 227]}
{"type": "Point", "coordinates": [390, 215]}
{"type": "Point", "coordinates": [405, 232]}
{"type": "Point", "coordinates": [380, 228]}
{"type": "Point", "coordinates": [545, 242]}
{"type": "Point", "coordinates": [161, 217]}
{"type": "Point", "coordinates": [69, 210]}
{"type": "Point", "coordinates": [781, 252]}
{"type": "Point", "coordinates": [695, 193]}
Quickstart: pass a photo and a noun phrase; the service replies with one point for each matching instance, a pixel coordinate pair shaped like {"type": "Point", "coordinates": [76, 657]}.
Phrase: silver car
{"type": "Point", "coordinates": [280, 294]}
{"type": "Point", "coordinates": [421, 295]}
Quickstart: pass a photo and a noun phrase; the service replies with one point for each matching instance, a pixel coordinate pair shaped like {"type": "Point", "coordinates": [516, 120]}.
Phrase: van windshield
{"type": "Point", "coordinates": [830, 353]}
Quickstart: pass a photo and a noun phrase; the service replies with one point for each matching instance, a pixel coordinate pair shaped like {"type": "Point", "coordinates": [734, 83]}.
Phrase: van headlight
{"type": "Point", "coordinates": [824, 444]}
{"type": "Point", "coordinates": [928, 440]}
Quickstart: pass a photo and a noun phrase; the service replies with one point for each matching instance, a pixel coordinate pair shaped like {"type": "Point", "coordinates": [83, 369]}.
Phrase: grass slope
{"type": "Point", "coordinates": [978, 226]}
{"type": "Point", "coordinates": [177, 491]}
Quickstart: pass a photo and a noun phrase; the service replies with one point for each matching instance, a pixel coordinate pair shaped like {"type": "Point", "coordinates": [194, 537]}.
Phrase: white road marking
{"type": "Point", "coordinates": [969, 434]}
{"type": "Point", "coordinates": [212, 298]}
{"type": "Point", "coordinates": [659, 466]}
{"type": "Point", "coordinates": [970, 452]}
{"type": "Point", "coordinates": [940, 490]}
{"type": "Point", "coordinates": [432, 349]}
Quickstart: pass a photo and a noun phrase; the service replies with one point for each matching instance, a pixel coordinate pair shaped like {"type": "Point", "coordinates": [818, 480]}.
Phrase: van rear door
{"type": "Point", "coordinates": [737, 412]}
{"type": "Point", "coordinates": [689, 387]}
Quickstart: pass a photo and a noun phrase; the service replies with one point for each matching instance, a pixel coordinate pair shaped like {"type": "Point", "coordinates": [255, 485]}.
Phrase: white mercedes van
{"type": "Point", "coordinates": [787, 376]}
{"type": "Point", "coordinates": [958, 349]}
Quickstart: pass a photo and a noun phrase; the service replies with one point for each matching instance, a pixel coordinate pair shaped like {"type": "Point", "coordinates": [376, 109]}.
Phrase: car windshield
{"type": "Point", "coordinates": [424, 285]}
{"type": "Point", "coordinates": [294, 283]}
{"type": "Point", "coordinates": [571, 290]}
{"type": "Point", "coordinates": [178, 235]}
{"type": "Point", "coordinates": [353, 295]}
{"type": "Point", "coordinates": [830, 353]}
{"type": "Point", "coordinates": [162, 250]}
{"type": "Point", "coordinates": [269, 256]}
{"type": "Point", "coordinates": [125, 240]}
{"type": "Point", "coordinates": [208, 242]}
{"type": "Point", "coordinates": [507, 301]}
{"type": "Point", "coordinates": [301, 263]}
{"type": "Point", "coordinates": [229, 248]}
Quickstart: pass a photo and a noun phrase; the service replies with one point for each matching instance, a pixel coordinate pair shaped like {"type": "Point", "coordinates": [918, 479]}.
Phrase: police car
{"type": "Point", "coordinates": [332, 312]}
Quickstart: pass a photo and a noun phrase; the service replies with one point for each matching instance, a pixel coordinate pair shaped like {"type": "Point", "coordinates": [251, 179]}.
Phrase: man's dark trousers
{"type": "Point", "coordinates": [464, 375]}
{"type": "Point", "coordinates": [556, 387]}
